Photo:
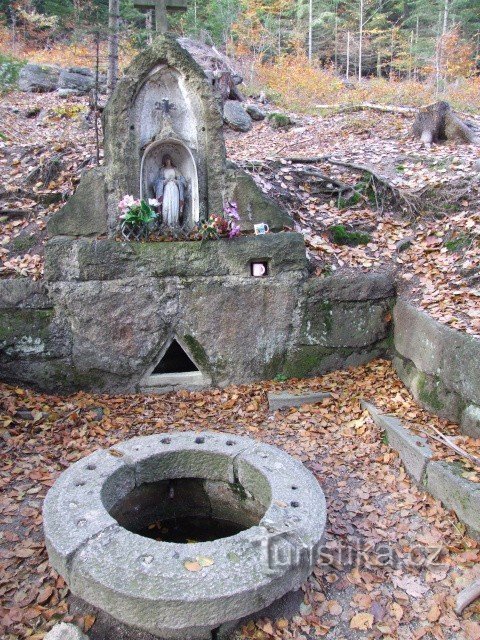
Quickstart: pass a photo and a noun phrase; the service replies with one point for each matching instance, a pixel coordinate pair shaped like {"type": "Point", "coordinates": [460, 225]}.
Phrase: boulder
{"type": "Point", "coordinates": [65, 631]}
{"type": "Point", "coordinates": [85, 214]}
{"type": "Point", "coordinates": [254, 205]}
{"type": "Point", "coordinates": [77, 80]}
{"type": "Point", "coordinates": [254, 112]}
{"type": "Point", "coordinates": [36, 78]}
{"type": "Point", "coordinates": [279, 120]}
{"type": "Point", "coordinates": [236, 117]}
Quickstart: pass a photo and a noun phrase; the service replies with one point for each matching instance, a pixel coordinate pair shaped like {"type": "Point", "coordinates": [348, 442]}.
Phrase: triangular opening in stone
{"type": "Point", "coordinates": [175, 360]}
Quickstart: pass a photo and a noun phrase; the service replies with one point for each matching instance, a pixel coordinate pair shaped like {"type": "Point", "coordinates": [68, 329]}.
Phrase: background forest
{"type": "Point", "coordinates": [301, 52]}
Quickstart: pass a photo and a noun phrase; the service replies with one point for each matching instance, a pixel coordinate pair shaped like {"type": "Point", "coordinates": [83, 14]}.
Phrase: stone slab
{"type": "Point", "coordinates": [285, 400]}
{"type": "Point", "coordinates": [351, 286]}
{"type": "Point", "coordinates": [451, 356]}
{"type": "Point", "coordinates": [444, 481]}
{"type": "Point", "coordinates": [413, 450]}
{"type": "Point", "coordinates": [429, 390]}
{"type": "Point", "coordinates": [330, 323]}
{"type": "Point", "coordinates": [83, 259]}
{"type": "Point", "coordinates": [23, 293]}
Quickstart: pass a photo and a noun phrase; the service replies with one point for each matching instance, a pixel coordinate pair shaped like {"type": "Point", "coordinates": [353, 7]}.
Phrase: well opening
{"type": "Point", "coordinates": [185, 510]}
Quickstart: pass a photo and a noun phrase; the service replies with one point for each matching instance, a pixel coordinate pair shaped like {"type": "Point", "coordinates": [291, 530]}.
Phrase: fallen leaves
{"type": "Point", "coordinates": [362, 621]}
{"type": "Point", "coordinates": [372, 505]}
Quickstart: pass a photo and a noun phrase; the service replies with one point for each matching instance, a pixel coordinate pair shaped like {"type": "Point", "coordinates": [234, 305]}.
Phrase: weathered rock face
{"type": "Point", "coordinates": [254, 112]}
{"type": "Point", "coordinates": [235, 116]}
{"type": "Point", "coordinates": [108, 309]}
{"type": "Point", "coordinates": [77, 79]}
{"type": "Point", "coordinates": [37, 78]}
{"type": "Point", "coordinates": [439, 365]}
{"type": "Point", "coordinates": [85, 213]}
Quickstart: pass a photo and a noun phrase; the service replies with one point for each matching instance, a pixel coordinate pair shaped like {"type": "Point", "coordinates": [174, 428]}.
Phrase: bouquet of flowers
{"type": "Point", "coordinates": [221, 226]}
{"type": "Point", "coordinates": [136, 216]}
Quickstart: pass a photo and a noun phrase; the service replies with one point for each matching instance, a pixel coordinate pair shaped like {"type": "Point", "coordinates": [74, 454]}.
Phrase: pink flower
{"type": "Point", "coordinates": [153, 202]}
{"type": "Point", "coordinates": [126, 203]}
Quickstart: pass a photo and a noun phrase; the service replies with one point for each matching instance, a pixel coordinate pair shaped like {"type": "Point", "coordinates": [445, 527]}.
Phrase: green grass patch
{"type": "Point", "coordinates": [350, 238]}
{"type": "Point", "coordinates": [459, 243]}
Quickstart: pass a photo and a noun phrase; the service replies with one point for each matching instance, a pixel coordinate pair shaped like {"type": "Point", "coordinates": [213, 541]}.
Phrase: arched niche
{"type": "Point", "coordinates": [184, 161]}
{"type": "Point", "coordinates": [164, 83]}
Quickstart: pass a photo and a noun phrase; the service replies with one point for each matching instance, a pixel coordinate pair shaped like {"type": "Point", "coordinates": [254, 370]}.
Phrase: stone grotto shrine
{"type": "Point", "coordinates": [118, 316]}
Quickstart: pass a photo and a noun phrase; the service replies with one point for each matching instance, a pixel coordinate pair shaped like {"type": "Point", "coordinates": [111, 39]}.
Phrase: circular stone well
{"type": "Point", "coordinates": [177, 534]}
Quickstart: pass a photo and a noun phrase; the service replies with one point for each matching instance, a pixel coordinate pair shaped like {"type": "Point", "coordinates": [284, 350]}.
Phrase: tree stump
{"type": "Point", "coordinates": [439, 122]}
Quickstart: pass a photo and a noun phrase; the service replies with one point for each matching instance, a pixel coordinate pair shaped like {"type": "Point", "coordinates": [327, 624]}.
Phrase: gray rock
{"type": "Point", "coordinates": [85, 214]}
{"type": "Point", "coordinates": [353, 287]}
{"type": "Point", "coordinates": [104, 259]}
{"type": "Point", "coordinates": [413, 450]}
{"type": "Point", "coordinates": [235, 116]}
{"type": "Point", "coordinates": [328, 323]}
{"type": "Point", "coordinates": [476, 166]}
{"type": "Point", "coordinates": [23, 293]}
{"type": "Point", "coordinates": [450, 357]}
{"type": "Point", "coordinates": [254, 206]}
{"type": "Point", "coordinates": [444, 481]}
{"type": "Point", "coordinates": [67, 93]}
{"type": "Point", "coordinates": [35, 78]}
{"type": "Point", "coordinates": [404, 243]}
{"type": "Point", "coordinates": [429, 391]}
{"type": "Point", "coordinates": [470, 421]}
{"type": "Point", "coordinates": [286, 400]}
{"type": "Point", "coordinates": [65, 631]}
{"type": "Point", "coordinates": [254, 112]}
{"type": "Point", "coordinates": [78, 79]}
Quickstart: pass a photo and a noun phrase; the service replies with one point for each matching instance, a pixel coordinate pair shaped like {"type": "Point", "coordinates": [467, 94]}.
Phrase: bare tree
{"type": "Point", "coordinates": [113, 29]}
{"type": "Point", "coordinates": [360, 40]}
{"type": "Point", "coordinates": [348, 55]}
{"type": "Point", "coordinates": [310, 29]}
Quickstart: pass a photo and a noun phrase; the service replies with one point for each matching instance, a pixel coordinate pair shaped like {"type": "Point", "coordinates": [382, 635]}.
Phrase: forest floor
{"type": "Point", "coordinates": [49, 144]}
{"type": "Point", "coordinates": [371, 503]}
{"type": "Point", "coordinates": [394, 558]}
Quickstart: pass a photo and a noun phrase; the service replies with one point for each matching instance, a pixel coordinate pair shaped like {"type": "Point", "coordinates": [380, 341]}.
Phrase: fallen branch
{"type": "Point", "coordinates": [449, 443]}
{"type": "Point", "coordinates": [362, 106]}
{"type": "Point", "coordinates": [467, 596]}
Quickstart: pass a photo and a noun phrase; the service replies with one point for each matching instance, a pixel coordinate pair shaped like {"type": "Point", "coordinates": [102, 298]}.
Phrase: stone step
{"type": "Point", "coordinates": [285, 400]}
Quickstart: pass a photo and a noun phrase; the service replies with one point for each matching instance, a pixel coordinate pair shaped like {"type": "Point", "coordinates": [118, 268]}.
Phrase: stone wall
{"type": "Point", "coordinates": [440, 366]}
{"type": "Point", "coordinates": [107, 309]}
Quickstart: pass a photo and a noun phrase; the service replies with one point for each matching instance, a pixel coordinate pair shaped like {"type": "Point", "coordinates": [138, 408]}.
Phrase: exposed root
{"type": "Point", "coordinates": [384, 194]}
{"type": "Point", "coordinates": [467, 596]}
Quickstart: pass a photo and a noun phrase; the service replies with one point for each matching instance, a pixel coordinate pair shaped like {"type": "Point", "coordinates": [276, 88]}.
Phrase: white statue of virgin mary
{"type": "Point", "coordinates": [169, 190]}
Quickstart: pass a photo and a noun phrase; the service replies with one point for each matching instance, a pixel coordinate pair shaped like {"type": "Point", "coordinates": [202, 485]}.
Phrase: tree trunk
{"type": "Point", "coordinates": [310, 29]}
{"type": "Point", "coordinates": [348, 55]}
{"type": "Point", "coordinates": [113, 28]}
{"type": "Point", "coordinates": [360, 42]}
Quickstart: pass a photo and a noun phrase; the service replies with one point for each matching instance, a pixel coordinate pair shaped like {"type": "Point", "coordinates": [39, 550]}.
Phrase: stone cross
{"type": "Point", "coordinates": [161, 9]}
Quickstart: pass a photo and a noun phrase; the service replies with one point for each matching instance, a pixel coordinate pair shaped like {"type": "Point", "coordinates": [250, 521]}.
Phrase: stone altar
{"type": "Point", "coordinates": [129, 316]}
